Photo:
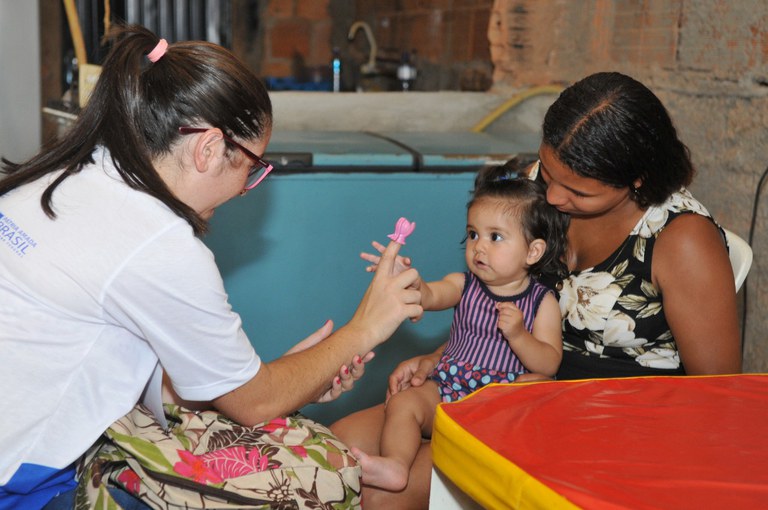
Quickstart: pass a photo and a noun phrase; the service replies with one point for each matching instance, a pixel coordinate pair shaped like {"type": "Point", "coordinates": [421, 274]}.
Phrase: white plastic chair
{"type": "Point", "coordinates": [740, 254]}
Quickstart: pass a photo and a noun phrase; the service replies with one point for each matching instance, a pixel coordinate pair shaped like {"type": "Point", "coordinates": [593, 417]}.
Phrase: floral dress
{"type": "Point", "coordinates": [613, 317]}
{"type": "Point", "coordinates": [206, 461]}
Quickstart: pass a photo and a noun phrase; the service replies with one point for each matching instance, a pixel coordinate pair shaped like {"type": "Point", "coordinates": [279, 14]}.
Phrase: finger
{"type": "Point", "coordinates": [417, 380]}
{"type": "Point", "coordinates": [408, 278]}
{"type": "Point", "coordinates": [420, 378]}
{"type": "Point", "coordinates": [411, 296]}
{"type": "Point", "coordinates": [331, 393]}
{"type": "Point", "coordinates": [348, 382]}
{"type": "Point", "coordinates": [358, 364]}
{"type": "Point", "coordinates": [373, 259]}
{"type": "Point", "coordinates": [370, 257]}
{"type": "Point", "coordinates": [357, 369]}
{"type": "Point", "coordinates": [336, 389]}
{"type": "Point", "coordinates": [394, 384]}
{"type": "Point", "coordinates": [414, 312]}
{"type": "Point", "coordinates": [387, 262]}
{"type": "Point", "coordinates": [398, 388]}
{"type": "Point", "coordinates": [423, 372]}
{"type": "Point", "coordinates": [378, 246]}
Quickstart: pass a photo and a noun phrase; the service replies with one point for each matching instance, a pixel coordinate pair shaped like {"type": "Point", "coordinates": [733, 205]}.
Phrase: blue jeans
{"type": "Point", "coordinates": [66, 501]}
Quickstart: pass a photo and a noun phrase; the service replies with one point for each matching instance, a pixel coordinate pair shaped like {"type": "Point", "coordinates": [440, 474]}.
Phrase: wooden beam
{"type": "Point", "coordinates": [51, 22]}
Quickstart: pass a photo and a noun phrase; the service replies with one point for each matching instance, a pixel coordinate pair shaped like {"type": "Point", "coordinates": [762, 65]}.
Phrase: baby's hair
{"type": "Point", "coordinates": [527, 200]}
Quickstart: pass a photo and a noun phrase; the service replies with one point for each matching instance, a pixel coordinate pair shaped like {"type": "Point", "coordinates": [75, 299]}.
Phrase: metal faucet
{"type": "Point", "coordinates": [370, 66]}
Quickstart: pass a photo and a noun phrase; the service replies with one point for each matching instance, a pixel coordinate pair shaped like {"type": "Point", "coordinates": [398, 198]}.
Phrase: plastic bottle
{"type": "Point", "coordinates": [406, 72]}
{"type": "Point", "coordinates": [336, 70]}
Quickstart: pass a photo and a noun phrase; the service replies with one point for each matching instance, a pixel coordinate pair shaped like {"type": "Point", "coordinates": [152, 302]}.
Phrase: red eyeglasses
{"type": "Point", "coordinates": [258, 171]}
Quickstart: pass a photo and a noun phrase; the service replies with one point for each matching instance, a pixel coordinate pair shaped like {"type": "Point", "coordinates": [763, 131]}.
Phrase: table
{"type": "Point", "coordinates": [638, 443]}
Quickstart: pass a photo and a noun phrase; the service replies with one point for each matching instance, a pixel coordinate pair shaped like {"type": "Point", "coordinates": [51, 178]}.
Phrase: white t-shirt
{"type": "Point", "coordinates": [90, 301]}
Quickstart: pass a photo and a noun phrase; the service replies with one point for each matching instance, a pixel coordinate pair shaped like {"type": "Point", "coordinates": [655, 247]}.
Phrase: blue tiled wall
{"type": "Point", "coordinates": [289, 255]}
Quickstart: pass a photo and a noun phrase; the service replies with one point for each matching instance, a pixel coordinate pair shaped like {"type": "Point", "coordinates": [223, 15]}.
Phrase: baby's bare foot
{"type": "Point", "coordinates": [383, 472]}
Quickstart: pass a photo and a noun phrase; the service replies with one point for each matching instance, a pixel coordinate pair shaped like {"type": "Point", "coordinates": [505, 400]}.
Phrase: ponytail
{"type": "Point", "coordinates": [137, 106]}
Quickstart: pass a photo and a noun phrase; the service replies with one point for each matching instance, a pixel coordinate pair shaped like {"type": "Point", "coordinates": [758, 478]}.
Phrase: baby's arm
{"type": "Point", "coordinates": [442, 294]}
{"type": "Point", "coordinates": [541, 351]}
{"type": "Point", "coordinates": [437, 295]}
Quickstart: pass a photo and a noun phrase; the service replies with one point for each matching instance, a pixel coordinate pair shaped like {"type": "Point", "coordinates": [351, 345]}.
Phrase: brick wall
{"type": "Point", "coordinates": [535, 41]}
{"type": "Point", "coordinates": [708, 62]}
{"type": "Point", "coordinates": [448, 40]}
{"type": "Point", "coordinates": [548, 40]}
{"type": "Point", "coordinates": [449, 37]}
{"type": "Point", "coordinates": [297, 35]}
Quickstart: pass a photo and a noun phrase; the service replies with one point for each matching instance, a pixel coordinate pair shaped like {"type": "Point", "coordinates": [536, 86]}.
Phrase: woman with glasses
{"type": "Point", "coordinates": [103, 276]}
{"type": "Point", "coordinates": [649, 289]}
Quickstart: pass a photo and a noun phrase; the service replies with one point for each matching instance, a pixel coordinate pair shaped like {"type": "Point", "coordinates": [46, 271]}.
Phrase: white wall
{"type": "Point", "coordinates": [412, 111]}
{"type": "Point", "coordinates": [20, 122]}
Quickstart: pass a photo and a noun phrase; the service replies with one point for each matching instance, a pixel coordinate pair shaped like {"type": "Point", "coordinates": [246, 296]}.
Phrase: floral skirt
{"type": "Point", "coordinates": [206, 461]}
{"type": "Point", "coordinates": [457, 379]}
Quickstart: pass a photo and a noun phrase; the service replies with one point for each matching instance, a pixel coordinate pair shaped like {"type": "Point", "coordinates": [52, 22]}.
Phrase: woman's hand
{"type": "Point", "coordinates": [413, 372]}
{"type": "Point", "coordinates": [401, 264]}
{"type": "Point", "coordinates": [345, 381]}
{"type": "Point", "coordinates": [347, 376]}
{"type": "Point", "coordinates": [392, 297]}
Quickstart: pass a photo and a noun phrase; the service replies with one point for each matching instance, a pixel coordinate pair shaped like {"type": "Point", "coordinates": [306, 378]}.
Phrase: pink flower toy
{"type": "Point", "coordinates": [403, 228]}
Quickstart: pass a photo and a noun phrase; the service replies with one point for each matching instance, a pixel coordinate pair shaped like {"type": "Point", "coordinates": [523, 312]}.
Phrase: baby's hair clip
{"type": "Point", "coordinates": [403, 228]}
{"type": "Point", "coordinates": [508, 176]}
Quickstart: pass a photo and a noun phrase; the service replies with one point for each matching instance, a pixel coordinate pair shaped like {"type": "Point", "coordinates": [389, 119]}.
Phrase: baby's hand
{"type": "Point", "coordinates": [510, 321]}
{"type": "Point", "coordinates": [401, 263]}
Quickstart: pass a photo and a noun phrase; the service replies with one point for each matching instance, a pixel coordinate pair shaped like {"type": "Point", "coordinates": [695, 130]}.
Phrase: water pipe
{"type": "Point", "coordinates": [77, 34]}
{"type": "Point", "coordinates": [370, 66]}
{"type": "Point", "coordinates": [514, 101]}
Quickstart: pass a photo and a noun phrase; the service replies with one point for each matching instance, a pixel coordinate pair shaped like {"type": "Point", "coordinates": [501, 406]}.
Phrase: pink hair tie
{"type": "Point", "coordinates": [158, 52]}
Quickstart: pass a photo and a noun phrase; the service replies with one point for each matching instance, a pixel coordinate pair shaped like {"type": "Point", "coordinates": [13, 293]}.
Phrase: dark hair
{"type": "Point", "coordinates": [137, 106]}
{"type": "Point", "coordinates": [527, 200]}
{"type": "Point", "coordinates": [612, 128]}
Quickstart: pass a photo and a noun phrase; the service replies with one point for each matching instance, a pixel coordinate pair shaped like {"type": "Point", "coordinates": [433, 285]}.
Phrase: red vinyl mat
{"type": "Point", "coordinates": [638, 443]}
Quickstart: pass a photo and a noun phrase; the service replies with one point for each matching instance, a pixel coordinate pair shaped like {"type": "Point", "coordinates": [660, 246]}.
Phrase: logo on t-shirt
{"type": "Point", "coordinates": [15, 238]}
